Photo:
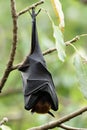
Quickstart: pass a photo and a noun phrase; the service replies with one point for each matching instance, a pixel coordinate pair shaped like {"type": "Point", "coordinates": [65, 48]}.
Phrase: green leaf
{"type": "Point", "coordinates": [81, 70]}
{"type": "Point", "coordinates": [60, 44]}
{"type": "Point", "coordinates": [4, 127]}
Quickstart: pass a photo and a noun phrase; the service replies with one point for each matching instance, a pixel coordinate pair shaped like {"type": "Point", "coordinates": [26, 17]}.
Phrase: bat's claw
{"type": "Point", "coordinates": [51, 114]}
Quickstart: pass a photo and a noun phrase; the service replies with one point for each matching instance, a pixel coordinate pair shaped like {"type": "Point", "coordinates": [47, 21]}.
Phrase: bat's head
{"type": "Point", "coordinates": [43, 104]}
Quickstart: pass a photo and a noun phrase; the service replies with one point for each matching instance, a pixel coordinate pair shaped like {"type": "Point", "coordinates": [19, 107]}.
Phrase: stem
{"type": "Point", "coordinates": [30, 7]}
{"type": "Point", "coordinates": [13, 49]}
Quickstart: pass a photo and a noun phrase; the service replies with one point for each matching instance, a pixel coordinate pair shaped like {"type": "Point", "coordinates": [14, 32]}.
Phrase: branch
{"type": "Point", "coordinates": [75, 39]}
{"type": "Point", "coordinates": [57, 123]}
{"type": "Point", "coordinates": [30, 7]}
{"type": "Point", "coordinates": [70, 128]}
{"type": "Point", "coordinates": [15, 66]}
{"type": "Point", "coordinates": [13, 49]}
{"type": "Point", "coordinates": [49, 51]}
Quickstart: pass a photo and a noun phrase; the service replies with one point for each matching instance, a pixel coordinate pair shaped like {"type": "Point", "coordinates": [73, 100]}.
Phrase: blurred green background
{"type": "Point", "coordinates": [64, 75]}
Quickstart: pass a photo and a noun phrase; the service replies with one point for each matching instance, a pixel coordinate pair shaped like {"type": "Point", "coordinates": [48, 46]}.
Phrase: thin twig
{"type": "Point", "coordinates": [15, 66]}
{"type": "Point", "coordinates": [30, 7]}
{"type": "Point", "coordinates": [13, 49]}
{"type": "Point", "coordinates": [49, 51]}
{"type": "Point", "coordinates": [57, 123]}
{"type": "Point", "coordinates": [70, 128]}
{"type": "Point", "coordinates": [75, 39]}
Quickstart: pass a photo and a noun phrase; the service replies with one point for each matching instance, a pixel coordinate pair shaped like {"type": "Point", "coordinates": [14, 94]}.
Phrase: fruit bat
{"type": "Point", "coordinates": [38, 86]}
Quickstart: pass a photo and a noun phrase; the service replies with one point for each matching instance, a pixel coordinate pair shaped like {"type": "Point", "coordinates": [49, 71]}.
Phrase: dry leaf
{"type": "Point", "coordinates": [58, 9]}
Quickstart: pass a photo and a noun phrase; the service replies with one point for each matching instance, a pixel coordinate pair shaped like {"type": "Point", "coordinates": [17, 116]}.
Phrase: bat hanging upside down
{"type": "Point", "coordinates": [38, 86]}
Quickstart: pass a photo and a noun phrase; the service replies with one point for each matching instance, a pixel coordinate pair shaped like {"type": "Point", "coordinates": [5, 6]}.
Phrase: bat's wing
{"type": "Point", "coordinates": [36, 77]}
{"type": "Point", "coordinates": [30, 101]}
{"type": "Point", "coordinates": [40, 80]}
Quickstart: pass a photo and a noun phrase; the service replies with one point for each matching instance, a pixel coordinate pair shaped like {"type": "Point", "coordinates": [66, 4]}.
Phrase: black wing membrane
{"type": "Point", "coordinates": [36, 78]}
